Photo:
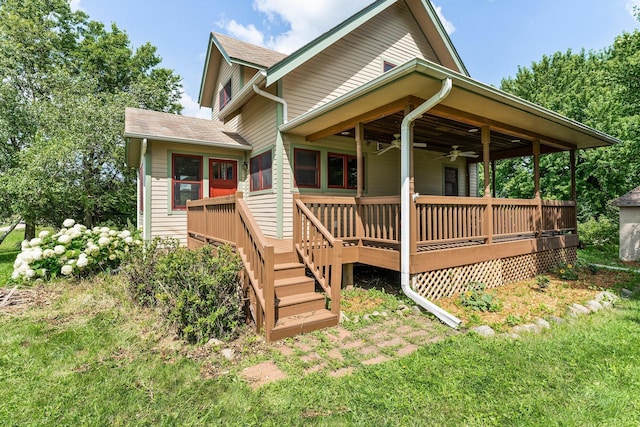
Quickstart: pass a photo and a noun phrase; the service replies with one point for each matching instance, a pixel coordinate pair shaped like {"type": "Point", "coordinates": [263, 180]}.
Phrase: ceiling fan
{"type": "Point", "coordinates": [455, 153]}
{"type": "Point", "coordinates": [396, 144]}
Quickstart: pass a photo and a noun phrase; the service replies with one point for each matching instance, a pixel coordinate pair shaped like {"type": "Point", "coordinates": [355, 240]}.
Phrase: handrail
{"type": "Point", "coordinates": [320, 251]}
{"type": "Point", "coordinates": [259, 261]}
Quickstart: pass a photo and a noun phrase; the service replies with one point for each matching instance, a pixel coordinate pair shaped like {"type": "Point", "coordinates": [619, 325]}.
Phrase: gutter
{"type": "Point", "coordinates": [285, 113]}
{"type": "Point", "coordinates": [405, 205]}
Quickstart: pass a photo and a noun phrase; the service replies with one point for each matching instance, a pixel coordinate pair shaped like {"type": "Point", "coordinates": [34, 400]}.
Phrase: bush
{"type": "Point", "coordinates": [74, 251]}
{"type": "Point", "coordinates": [567, 271]}
{"type": "Point", "coordinates": [198, 290]}
{"type": "Point", "coordinates": [478, 300]}
{"type": "Point", "coordinates": [599, 233]}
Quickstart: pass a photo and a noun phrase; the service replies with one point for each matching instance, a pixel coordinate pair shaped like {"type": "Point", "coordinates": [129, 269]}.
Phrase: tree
{"type": "Point", "coordinates": [599, 89]}
{"type": "Point", "coordinates": [65, 83]}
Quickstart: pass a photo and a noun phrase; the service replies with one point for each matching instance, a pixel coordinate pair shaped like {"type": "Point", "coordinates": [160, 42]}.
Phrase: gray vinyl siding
{"type": "Point", "coordinates": [392, 36]}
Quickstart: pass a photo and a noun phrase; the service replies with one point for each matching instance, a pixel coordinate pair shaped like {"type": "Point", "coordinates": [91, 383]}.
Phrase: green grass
{"type": "Point", "coordinates": [9, 248]}
{"type": "Point", "coordinates": [90, 358]}
{"type": "Point", "coordinates": [607, 255]}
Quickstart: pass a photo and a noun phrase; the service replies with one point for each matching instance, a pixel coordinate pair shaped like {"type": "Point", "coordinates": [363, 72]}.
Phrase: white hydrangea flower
{"type": "Point", "coordinates": [27, 257]}
{"type": "Point", "coordinates": [59, 249]}
{"type": "Point", "coordinates": [68, 223]}
{"type": "Point", "coordinates": [29, 273]}
{"type": "Point", "coordinates": [128, 240]}
{"type": "Point", "coordinates": [18, 262]}
{"type": "Point", "coordinates": [75, 233]}
{"type": "Point", "coordinates": [124, 234]}
{"type": "Point", "coordinates": [24, 245]}
{"type": "Point", "coordinates": [43, 234]}
{"type": "Point", "coordinates": [113, 233]}
{"type": "Point", "coordinates": [103, 241]}
{"type": "Point", "coordinates": [36, 253]}
{"type": "Point", "coordinates": [112, 257]}
{"type": "Point", "coordinates": [82, 261]}
{"type": "Point", "coordinates": [36, 241]}
{"type": "Point", "coordinates": [15, 275]}
{"type": "Point", "coordinates": [66, 270]}
{"type": "Point", "coordinates": [64, 239]}
{"type": "Point", "coordinates": [105, 229]}
{"type": "Point", "coordinates": [48, 253]}
{"type": "Point", "coordinates": [137, 242]}
{"type": "Point", "coordinates": [79, 227]}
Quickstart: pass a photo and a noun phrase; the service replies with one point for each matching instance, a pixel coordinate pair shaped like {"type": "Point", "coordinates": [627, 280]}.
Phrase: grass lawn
{"type": "Point", "coordinates": [81, 354]}
{"type": "Point", "coordinates": [8, 251]}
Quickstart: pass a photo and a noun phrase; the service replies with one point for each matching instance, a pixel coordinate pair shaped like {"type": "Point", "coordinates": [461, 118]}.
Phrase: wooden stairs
{"type": "Point", "coordinates": [298, 307]}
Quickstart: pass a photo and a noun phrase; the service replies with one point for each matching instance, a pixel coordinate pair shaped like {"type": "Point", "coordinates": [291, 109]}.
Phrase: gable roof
{"type": "Point", "coordinates": [632, 198]}
{"type": "Point", "coordinates": [146, 124]}
{"type": "Point", "coordinates": [277, 65]}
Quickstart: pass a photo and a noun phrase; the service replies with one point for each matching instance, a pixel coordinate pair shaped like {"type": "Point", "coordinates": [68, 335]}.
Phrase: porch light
{"type": "Point", "coordinates": [515, 140]}
{"type": "Point", "coordinates": [245, 166]}
{"type": "Point", "coordinates": [473, 130]}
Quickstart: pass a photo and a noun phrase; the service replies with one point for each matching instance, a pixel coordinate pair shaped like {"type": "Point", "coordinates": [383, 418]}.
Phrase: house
{"type": "Point", "coordinates": [363, 146]}
{"type": "Point", "coordinates": [629, 206]}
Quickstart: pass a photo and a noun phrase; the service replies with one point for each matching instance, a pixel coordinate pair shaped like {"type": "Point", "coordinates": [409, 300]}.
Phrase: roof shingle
{"type": "Point", "coordinates": [248, 52]}
{"type": "Point", "coordinates": [172, 127]}
{"type": "Point", "coordinates": [632, 198]}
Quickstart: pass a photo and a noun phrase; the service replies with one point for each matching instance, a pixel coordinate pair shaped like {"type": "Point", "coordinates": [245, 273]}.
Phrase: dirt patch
{"type": "Point", "coordinates": [525, 301]}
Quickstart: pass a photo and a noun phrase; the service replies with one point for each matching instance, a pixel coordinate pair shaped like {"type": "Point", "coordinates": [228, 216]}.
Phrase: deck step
{"type": "Point", "coordinates": [288, 270]}
{"type": "Point", "coordinates": [300, 323]}
{"type": "Point", "coordinates": [285, 257]}
{"type": "Point", "coordinates": [299, 304]}
{"type": "Point", "coordinates": [293, 286]}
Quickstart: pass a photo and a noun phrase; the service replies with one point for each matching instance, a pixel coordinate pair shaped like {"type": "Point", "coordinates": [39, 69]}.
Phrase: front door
{"type": "Point", "coordinates": [223, 177]}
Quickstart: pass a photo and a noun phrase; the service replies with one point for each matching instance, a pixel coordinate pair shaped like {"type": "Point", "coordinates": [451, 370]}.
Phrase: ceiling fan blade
{"type": "Point", "coordinates": [384, 150]}
{"type": "Point", "coordinates": [420, 144]}
{"type": "Point", "coordinates": [453, 158]}
{"type": "Point", "coordinates": [472, 155]}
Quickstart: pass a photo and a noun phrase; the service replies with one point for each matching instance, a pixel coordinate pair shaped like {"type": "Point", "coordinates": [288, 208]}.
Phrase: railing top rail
{"type": "Point", "coordinates": [568, 203]}
{"type": "Point", "coordinates": [329, 200]}
{"type": "Point", "coordinates": [379, 200]}
{"type": "Point", "coordinates": [515, 202]}
{"type": "Point", "coordinates": [254, 229]}
{"type": "Point", "coordinates": [451, 200]}
{"type": "Point", "coordinates": [212, 201]}
{"type": "Point", "coordinates": [305, 210]}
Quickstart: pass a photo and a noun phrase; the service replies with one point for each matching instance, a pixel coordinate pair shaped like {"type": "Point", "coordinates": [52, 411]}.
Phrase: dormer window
{"type": "Point", "coordinates": [225, 94]}
{"type": "Point", "coordinates": [387, 66]}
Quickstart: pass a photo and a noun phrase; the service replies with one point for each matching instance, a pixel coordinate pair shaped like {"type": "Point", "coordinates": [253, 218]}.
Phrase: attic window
{"type": "Point", "coordinates": [225, 94]}
{"type": "Point", "coordinates": [387, 66]}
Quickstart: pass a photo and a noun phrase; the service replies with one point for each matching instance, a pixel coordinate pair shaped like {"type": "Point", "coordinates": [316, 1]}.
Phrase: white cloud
{"type": "Point", "coordinates": [192, 109]}
{"type": "Point", "coordinates": [632, 7]}
{"type": "Point", "coordinates": [306, 21]}
{"type": "Point", "coordinates": [75, 5]}
{"type": "Point", "coordinates": [448, 25]}
{"type": "Point", "coordinates": [248, 33]}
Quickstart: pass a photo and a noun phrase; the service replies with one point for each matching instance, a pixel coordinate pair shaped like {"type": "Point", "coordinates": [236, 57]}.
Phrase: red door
{"type": "Point", "coordinates": [223, 177]}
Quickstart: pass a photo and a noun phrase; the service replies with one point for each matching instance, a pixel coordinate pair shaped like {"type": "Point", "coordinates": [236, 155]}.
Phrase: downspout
{"type": "Point", "coordinates": [405, 204]}
{"type": "Point", "coordinates": [141, 186]}
{"type": "Point", "coordinates": [279, 158]}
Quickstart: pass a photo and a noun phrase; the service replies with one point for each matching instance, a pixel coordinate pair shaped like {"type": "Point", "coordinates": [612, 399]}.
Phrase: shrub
{"type": "Point", "coordinates": [73, 251]}
{"type": "Point", "coordinates": [198, 290]}
{"type": "Point", "coordinates": [567, 271]}
{"type": "Point", "coordinates": [477, 299]}
{"type": "Point", "coordinates": [599, 233]}
{"type": "Point", "coordinates": [542, 282]}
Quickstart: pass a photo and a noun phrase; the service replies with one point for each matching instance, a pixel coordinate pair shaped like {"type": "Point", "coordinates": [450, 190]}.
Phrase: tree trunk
{"type": "Point", "coordinates": [9, 230]}
{"type": "Point", "coordinates": [29, 230]}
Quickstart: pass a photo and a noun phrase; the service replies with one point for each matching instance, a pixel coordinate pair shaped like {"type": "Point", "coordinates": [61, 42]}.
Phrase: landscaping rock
{"type": "Point", "coordinates": [578, 309]}
{"type": "Point", "coordinates": [366, 318]}
{"type": "Point", "coordinates": [400, 312]}
{"type": "Point", "coordinates": [556, 319]}
{"type": "Point", "coordinates": [605, 296]}
{"type": "Point", "coordinates": [375, 314]}
{"type": "Point", "coordinates": [402, 307]}
{"type": "Point", "coordinates": [606, 304]}
{"type": "Point", "coordinates": [356, 319]}
{"type": "Point", "coordinates": [527, 327]}
{"type": "Point", "coordinates": [543, 324]}
{"type": "Point", "coordinates": [626, 293]}
{"type": "Point", "coordinates": [343, 317]}
{"type": "Point", "coordinates": [228, 353]}
{"type": "Point", "coordinates": [594, 305]}
{"type": "Point", "coordinates": [416, 310]}
{"type": "Point", "coordinates": [384, 314]}
{"type": "Point", "coordinates": [484, 331]}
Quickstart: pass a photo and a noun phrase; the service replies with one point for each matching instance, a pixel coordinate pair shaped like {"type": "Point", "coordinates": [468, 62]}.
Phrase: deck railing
{"type": "Point", "coordinates": [320, 251]}
{"type": "Point", "coordinates": [442, 220]}
{"type": "Point", "coordinates": [228, 220]}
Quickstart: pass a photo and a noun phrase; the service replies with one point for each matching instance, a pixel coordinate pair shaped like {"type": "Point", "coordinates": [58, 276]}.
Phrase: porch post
{"type": "Point", "coordinates": [486, 154]}
{"type": "Point", "coordinates": [359, 139]}
{"type": "Point", "coordinates": [572, 160]}
{"type": "Point", "coordinates": [493, 178]}
{"type": "Point", "coordinates": [536, 183]}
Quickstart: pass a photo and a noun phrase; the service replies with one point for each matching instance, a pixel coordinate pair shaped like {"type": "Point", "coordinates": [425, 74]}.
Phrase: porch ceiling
{"type": "Point", "coordinates": [380, 105]}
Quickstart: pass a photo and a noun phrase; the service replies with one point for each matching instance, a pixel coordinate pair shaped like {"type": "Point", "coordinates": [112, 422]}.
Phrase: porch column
{"type": "Point", "coordinates": [493, 178]}
{"type": "Point", "coordinates": [572, 160]}
{"type": "Point", "coordinates": [536, 185]}
{"type": "Point", "coordinates": [359, 139]}
{"type": "Point", "coordinates": [486, 155]}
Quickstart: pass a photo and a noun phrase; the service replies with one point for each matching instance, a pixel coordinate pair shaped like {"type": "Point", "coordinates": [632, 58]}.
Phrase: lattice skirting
{"type": "Point", "coordinates": [451, 281]}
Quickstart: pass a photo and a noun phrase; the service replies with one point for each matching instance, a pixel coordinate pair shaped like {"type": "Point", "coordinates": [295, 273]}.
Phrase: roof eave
{"type": "Point", "coordinates": [162, 138]}
{"type": "Point", "coordinates": [436, 71]}
{"type": "Point", "coordinates": [445, 37]}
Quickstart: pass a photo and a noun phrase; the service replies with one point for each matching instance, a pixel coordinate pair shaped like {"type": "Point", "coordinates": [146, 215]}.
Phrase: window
{"type": "Point", "coordinates": [225, 94]}
{"type": "Point", "coordinates": [186, 180]}
{"type": "Point", "coordinates": [342, 171]}
{"type": "Point", "coordinates": [306, 166]}
{"type": "Point", "coordinates": [260, 166]}
{"type": "Point", "coordinates": [387, 66]}
{"type": "Point", "coordinates": [450, 181]}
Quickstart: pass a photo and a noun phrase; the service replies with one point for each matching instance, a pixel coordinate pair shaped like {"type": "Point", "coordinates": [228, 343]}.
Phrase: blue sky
{"type": "Point", "coordinates": [493, 37]}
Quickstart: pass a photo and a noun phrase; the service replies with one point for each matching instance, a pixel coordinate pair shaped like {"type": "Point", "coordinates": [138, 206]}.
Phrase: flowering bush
{"type": "Point", "coordinates": [75, 250]}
